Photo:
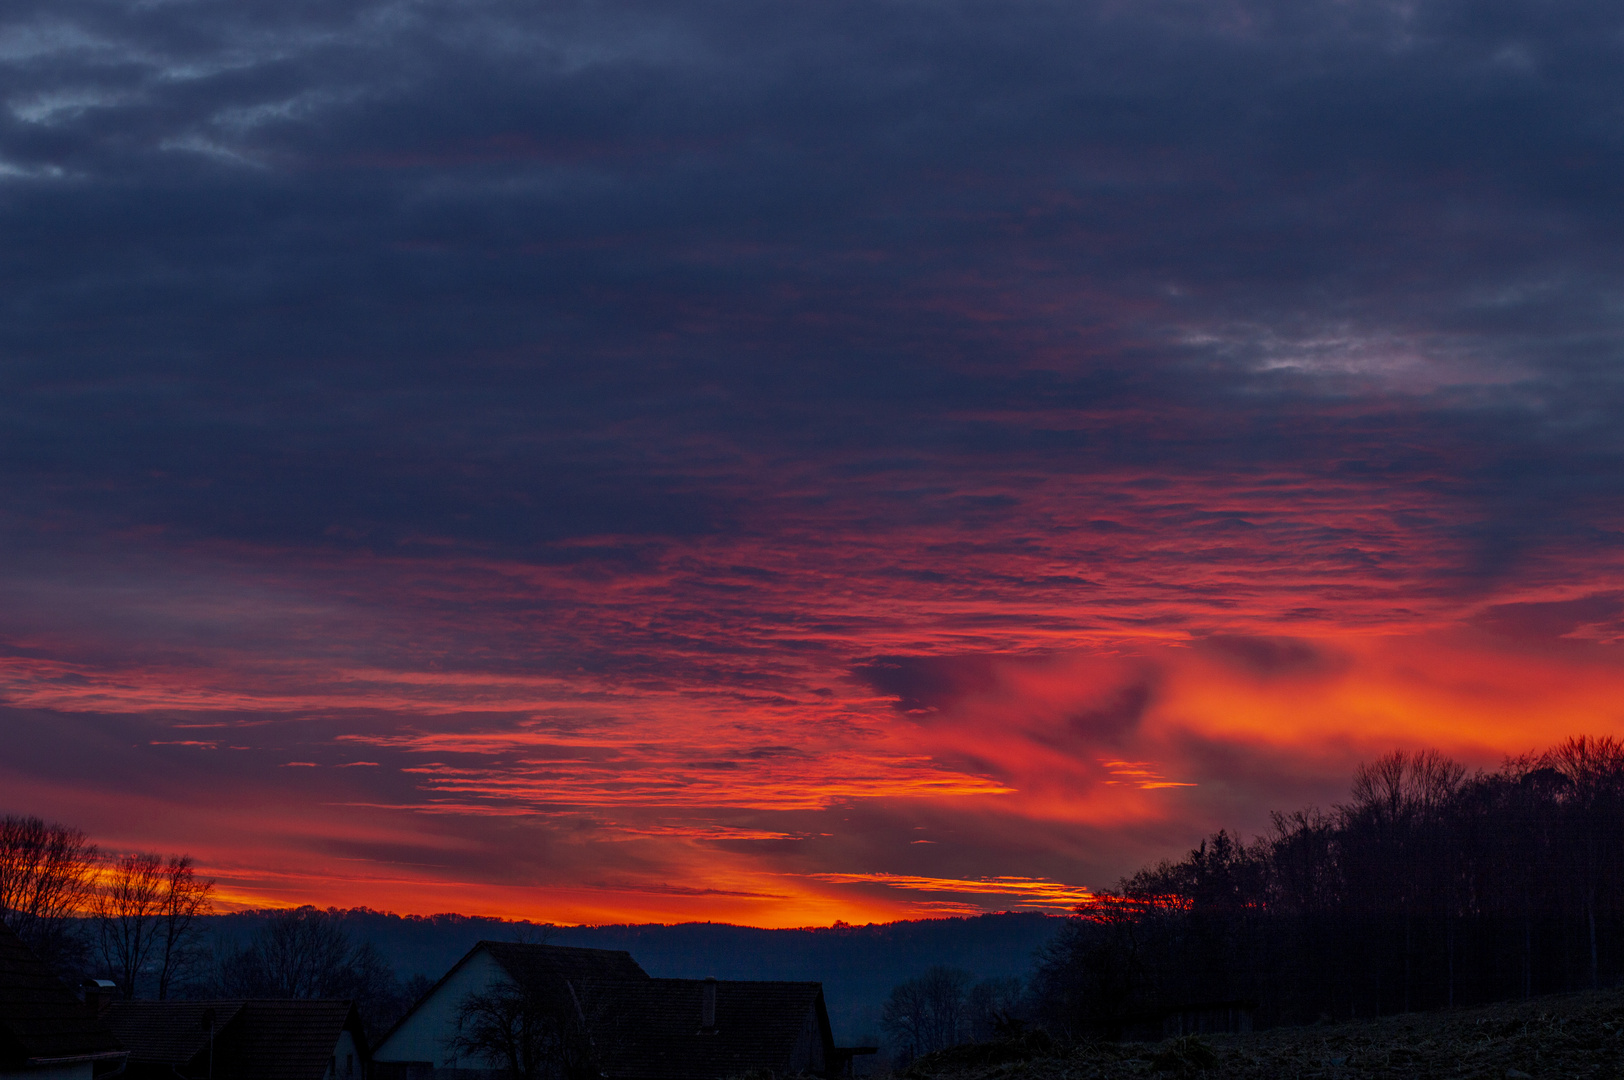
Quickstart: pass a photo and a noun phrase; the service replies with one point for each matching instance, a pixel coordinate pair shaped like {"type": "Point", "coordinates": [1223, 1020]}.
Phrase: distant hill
{"type": "Point", "coordinates": [858, 965]}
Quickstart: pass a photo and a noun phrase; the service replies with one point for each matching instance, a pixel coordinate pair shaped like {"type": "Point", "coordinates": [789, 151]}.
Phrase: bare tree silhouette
{"type": "Point", "coordinates": [527, 1032]}
{"type": "Point", "coordinates": [127, 906]}
{"type": "Point", "coordinates": [46, 874]}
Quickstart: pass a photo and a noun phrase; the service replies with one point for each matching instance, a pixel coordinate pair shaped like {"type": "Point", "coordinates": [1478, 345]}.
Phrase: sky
{"type": "Point", "coordinates": [778, 463]}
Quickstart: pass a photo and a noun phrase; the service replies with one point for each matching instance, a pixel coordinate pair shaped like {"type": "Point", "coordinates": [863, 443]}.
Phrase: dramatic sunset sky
{"type": "Point", "coordinates": [779, 461]}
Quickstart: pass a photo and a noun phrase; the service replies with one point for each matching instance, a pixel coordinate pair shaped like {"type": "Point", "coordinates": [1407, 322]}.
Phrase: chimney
{"type": "Point", "coordinates": [707, 1005]}
{"type": "Point", "coordinates": [99, 994]}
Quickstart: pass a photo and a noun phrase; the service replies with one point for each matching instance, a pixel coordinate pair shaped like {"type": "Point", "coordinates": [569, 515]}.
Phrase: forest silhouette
{"type": "Point", "coordinates": [1430, 887]}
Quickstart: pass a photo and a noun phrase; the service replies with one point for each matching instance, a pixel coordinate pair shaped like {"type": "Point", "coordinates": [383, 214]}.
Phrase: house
{"type": "Point", "coordinates": [638, 1028]}
{"type": "Point", "coordinates": [706, 1029]}
{"type": "Point", "coordinates": [418, 1047]}
{"type": "Point", "coordinates": [46, 1032]}
{"type": "Point", "coordinates": [241, 1039]}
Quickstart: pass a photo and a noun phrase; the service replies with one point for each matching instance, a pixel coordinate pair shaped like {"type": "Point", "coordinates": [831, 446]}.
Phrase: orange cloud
{"type": "Point", "coordinates": [749, 726]}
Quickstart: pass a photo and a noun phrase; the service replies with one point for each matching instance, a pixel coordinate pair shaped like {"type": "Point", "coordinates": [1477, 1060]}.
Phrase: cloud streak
{"type": "Point", "coordinates": [660, 460]}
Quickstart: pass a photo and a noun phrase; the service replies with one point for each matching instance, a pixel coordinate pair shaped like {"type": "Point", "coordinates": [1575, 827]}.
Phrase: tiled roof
{"type": "Point", "coordinates": [538, 966]}
{"type": "Point", "coordinates": [287, 1040]}
{"type": "Point", "coordinates": [541, 969]}
{"type": "Point", "coordinates": [651, 1030]}
{"type": "Point", "coordinates": [40, 1018]}
{"type": "Point", "coordinates": [253, 1039]}
{"type": "Point", "coordinates": [168, 1032]}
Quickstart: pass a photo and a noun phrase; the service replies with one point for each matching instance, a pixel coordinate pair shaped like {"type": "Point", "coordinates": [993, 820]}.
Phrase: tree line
{"type": "Point", "coordinates": [1430, 887]}
{"type": "Point", "coordinates": [130, 918]}
{"type": "Point", "coordinates": [137, 920]}
{"type": "Point", "coordinates": [946, 1006]}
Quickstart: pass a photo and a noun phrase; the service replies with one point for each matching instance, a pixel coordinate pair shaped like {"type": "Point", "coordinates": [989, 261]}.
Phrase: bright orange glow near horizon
{"type": "Point", "coordinates": [616, 461]}
{"type": "Point", "coordinates": [893, 750]}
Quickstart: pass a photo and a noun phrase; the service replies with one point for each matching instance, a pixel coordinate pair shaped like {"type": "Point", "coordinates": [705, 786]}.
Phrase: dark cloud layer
{"type": "Point", "coordinates": [1269, 657]}
{"type": "Point", "coordinates": [449, 368]}
{"type": "Point", "coordinates": [923, 684]}
{"type": "Point", "coordinates": [330, 275]}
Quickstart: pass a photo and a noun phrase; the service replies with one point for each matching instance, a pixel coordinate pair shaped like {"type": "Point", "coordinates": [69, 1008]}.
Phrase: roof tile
{"type": "Point", "coordinates": [253, 1039]}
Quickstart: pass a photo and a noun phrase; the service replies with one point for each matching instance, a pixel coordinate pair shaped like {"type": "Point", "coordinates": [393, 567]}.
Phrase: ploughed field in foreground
{"type": "Point", "coordinates": [1575, 1035]}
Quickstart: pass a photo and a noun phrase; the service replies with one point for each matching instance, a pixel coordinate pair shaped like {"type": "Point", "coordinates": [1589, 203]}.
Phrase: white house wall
{"type": "Point", "coordinates": [426, 1034]}
{"type": "Point", "coordinates": [346, 1064]}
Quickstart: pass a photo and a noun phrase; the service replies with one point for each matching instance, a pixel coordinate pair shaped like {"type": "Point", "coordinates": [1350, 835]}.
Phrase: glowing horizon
{"type": "Point", "coordinates": [1115, 743]}
{"type": "Point", "coordinates": [640, 462]}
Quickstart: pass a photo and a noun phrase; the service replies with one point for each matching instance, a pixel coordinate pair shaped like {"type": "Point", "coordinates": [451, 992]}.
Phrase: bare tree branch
{"type": "Point", "coordinates": [127, 907]}
{"type": "Point", "coordinates": [46, 875]}
{"type": "Point", "coordinates": [186, 897]}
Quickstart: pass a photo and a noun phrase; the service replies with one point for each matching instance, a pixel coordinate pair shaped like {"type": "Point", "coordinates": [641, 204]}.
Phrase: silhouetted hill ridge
{"type": "Point", "coordinates": [858, 965]}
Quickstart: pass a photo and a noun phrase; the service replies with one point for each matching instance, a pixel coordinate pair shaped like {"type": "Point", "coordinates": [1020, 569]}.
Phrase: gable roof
{"type": "Point", "coordinates": [538, 966]}
{"type": "Point", "coordinates": [289, 1040]}
{"type": "Point", "coordinates": [41, 1021]}
{"type": "Point", "coordinates": [539, 969]}
{"type": "Point", "coordinates": [253, 1039]}
{"type": "Point", "coordinates": [652, 1028]}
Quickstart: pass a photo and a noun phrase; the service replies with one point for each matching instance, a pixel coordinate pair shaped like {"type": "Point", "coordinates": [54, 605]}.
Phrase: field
{"type": "Point", "coordinates": [1579, 1035]}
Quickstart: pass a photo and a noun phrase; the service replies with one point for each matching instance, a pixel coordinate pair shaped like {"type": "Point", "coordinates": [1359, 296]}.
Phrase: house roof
{"type": "Point", "coordinates": [168, 1032]}
{"type": "Point", "coordinates": [253, 1039]}
{"type": "Point", "coordinates": [652, 1028]}
{"type": "Point", "coordinates": [541, 965]}
{"type": "Point", "coordinates": [541, 969]}
{"type": "Point", "coordinates": [289, 1040]}
{"type": "Point", "coordinates": [41, 1020]}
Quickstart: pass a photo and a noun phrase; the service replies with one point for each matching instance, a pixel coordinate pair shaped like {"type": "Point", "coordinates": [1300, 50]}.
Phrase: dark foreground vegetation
{"type": "Point", "coordinates": [1428, 888]}
{"type": "Point", "coordinates": [1578, 1035]}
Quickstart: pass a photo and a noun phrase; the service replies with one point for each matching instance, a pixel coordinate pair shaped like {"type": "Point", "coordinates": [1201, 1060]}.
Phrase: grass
{"type": "Point", "coordinates": [1577, 1035]}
